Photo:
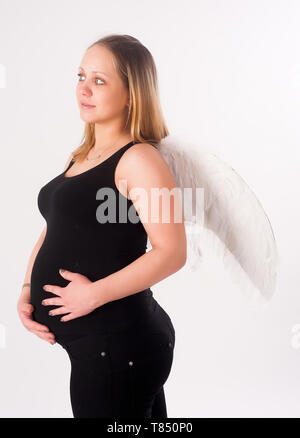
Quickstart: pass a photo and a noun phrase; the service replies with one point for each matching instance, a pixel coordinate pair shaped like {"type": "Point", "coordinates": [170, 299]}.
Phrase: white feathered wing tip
{"type": "Point", "coordinates": [230, 221]}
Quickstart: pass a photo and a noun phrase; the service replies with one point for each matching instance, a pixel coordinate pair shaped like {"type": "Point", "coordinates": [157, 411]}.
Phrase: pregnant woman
{"type": "Point", "coordinates": [87, 285]}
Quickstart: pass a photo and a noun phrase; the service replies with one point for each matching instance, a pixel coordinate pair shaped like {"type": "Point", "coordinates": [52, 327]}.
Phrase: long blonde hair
{"type": "Point", "coordinates": [137, 69]}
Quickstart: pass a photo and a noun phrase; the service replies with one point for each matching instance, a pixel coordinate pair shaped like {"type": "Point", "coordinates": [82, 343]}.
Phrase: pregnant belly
{"type": "Point", "coordinates": [46, 271]}
{"type": "Point", "coordinates": [115, 315]}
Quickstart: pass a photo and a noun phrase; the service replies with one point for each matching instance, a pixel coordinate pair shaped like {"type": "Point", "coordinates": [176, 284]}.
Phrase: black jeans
{"type": "Point", "coordinates": [117, 375]}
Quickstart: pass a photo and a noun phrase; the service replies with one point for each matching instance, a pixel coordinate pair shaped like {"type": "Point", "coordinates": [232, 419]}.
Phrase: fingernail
{"type": "Point", "coordinates": [62, 270]}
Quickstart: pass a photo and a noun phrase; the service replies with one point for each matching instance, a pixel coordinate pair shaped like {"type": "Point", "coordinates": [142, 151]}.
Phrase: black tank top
{"type": "Point", "coordinates": [77, 241]}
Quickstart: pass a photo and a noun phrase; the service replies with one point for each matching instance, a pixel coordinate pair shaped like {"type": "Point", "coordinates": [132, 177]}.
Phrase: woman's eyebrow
{"type": "Point", "coordinates": [95, 71]}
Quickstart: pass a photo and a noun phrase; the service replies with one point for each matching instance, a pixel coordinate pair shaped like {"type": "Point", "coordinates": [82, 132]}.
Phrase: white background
{"type": "Point", "coordinates": [229, 78]}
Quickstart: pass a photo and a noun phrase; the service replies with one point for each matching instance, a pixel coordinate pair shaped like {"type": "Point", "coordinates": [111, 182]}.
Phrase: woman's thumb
{"type": "Point", "coordinates": [27, 307]}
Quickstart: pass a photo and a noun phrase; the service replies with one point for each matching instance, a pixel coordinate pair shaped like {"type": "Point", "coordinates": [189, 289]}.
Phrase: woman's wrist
{"type": "Point", "coordinates": [97, 293]}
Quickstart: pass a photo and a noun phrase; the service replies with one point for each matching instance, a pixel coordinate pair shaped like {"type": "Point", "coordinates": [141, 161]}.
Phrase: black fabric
{"type": "Point", "coordinates": [121, 374]}
{"type": "Point", "coordinates": [132, 329]}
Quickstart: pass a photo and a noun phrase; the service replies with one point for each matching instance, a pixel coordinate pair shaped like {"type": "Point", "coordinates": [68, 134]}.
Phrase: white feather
{"type": "Point", "coordinates": [230, 221]}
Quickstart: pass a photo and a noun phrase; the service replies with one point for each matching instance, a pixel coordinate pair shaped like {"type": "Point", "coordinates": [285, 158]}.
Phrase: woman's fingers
{"type": "Point", "coordinates": [40, 330]}
{"type": "Point", "coordinates": [26, 310]}
{"type": "Point", "coordinates": [30, 324]}
{"type": "Point", "coordinates": [28, 307]}
{"type": "Point", "coordinates": [49, 337]}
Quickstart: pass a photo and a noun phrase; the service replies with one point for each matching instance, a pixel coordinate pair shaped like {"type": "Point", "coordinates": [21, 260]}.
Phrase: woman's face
{"type": "Point", "coordinates": [100, 85]}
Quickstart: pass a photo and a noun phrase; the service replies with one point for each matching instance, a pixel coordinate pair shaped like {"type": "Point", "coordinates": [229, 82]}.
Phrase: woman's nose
{"type": "Point", "coordinates": [86, 91]}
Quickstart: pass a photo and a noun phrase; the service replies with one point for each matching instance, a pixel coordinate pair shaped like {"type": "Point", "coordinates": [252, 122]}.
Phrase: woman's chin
{"type": "Point", "coordinates": [88, 119]}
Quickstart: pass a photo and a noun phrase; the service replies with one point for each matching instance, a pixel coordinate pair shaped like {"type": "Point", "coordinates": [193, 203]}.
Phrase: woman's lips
{"type": "Point", "coordinates": [84, 106]}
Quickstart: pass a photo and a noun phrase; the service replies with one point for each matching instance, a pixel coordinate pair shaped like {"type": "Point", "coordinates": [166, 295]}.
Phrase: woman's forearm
{"type": "Point", "coordinates": [142, 273]}
{"type": "Point", "coordinates": [25, 293]}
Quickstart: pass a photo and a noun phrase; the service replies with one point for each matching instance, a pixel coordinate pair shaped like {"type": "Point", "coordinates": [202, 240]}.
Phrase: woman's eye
{"type": "Point", "coordinates": [97, 79]}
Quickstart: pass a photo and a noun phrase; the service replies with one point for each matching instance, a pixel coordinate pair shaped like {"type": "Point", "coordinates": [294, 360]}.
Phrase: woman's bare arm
{"type": "Point", "coordinates": [163, 222]}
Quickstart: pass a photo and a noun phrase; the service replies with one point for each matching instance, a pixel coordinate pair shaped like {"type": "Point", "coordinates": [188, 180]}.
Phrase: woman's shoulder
{"type": "Point", "coordinates": [140, 152]}
{"type": "Point", "coordinates": [144, 158]}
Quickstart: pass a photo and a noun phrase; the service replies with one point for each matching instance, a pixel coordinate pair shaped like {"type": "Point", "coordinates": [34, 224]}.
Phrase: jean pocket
{"type": "Point", "coordinates": [127, 348]}
{"type": "Point", "coordinates": [88, 347]}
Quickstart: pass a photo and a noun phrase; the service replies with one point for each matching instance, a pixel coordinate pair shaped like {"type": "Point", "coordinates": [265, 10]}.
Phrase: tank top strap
{"type": "Point", "coordinates": [117, 155]}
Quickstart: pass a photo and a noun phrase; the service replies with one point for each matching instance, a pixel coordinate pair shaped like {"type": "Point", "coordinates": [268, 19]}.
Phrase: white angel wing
{"type": "Point", "coordinates": [228, 218]}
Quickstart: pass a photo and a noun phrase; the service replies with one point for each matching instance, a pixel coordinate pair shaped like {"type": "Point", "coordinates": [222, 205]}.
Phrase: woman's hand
{"type": "Point", "coordinates": [24, 310]}
{"type": "Point", "coordinates": [76, 299]}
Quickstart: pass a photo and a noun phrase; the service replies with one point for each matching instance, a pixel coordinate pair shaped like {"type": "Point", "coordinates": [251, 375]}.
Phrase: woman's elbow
{"type": "Point", "coordinates": [179, 256]}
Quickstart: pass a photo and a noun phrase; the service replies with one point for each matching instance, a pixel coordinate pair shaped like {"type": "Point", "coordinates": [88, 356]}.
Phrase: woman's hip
{"type": "Point", "coordinates": [119, 321]}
